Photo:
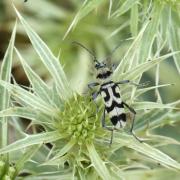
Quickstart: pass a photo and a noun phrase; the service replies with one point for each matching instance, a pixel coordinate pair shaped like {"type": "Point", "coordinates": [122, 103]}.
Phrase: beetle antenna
{"type": "Point", "coordinates": [90, 52]}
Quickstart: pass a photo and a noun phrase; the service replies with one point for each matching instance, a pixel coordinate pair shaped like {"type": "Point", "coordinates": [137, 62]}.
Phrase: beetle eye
{"type": "Point", "coordinates": [97, 66]}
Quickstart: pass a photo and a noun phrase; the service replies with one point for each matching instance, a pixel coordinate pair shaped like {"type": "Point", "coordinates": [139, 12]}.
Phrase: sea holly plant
{"type": "Point", "coordinates": [7, 168]}
{"type": "Point", "coordinates": [72, 143]}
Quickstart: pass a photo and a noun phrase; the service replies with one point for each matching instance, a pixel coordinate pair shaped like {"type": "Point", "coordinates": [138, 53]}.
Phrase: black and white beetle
{"type": "Point", "coordinates": [110, 92]}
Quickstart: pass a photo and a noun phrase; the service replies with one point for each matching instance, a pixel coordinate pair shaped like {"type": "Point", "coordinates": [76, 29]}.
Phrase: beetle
{"type": "Point", "coordinates": [109, 90]}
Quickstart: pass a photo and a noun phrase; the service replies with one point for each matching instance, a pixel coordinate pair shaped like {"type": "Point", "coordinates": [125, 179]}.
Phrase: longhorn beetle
{"type": "Point", "coordinates": [110, 92]}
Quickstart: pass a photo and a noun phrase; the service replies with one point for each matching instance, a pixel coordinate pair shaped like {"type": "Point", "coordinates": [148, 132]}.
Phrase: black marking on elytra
{"type": "Point", "coordinates": [115, 119]}
{"type": "Point", "coordinates": [113, 105]}
{"type": "Point", "coordinates": [107, 97]}
{"type": "Point", "coordinates": [116, 94]}
{"type": "Point", "coordinates": [123, 117]}
{"type": "Point", "coordinates": [104, 75]}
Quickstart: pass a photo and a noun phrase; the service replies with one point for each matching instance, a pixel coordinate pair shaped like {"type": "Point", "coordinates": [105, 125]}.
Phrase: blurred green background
{"type": "Point", "coordinates": [100, 29]}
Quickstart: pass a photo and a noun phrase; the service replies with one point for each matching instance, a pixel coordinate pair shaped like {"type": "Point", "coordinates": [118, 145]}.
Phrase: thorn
{"type": "Point", "coordinates": [144, 84]}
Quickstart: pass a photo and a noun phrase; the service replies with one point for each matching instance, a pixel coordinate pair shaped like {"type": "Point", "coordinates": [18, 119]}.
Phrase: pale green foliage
{"type": "Point", "coordinates": [87, 7]}
{"type": "Point", "coordinates": [5, 75]}
{"type": "Point", "coordinates": [79, 145]}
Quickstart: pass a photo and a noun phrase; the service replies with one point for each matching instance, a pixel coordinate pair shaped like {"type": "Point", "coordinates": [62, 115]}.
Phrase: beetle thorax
{"type": "Point", "coordinates": [104, 74]}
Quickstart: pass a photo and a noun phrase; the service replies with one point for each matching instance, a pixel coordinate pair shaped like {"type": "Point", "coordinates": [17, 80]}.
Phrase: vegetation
{"type": "Point", "coordinates": [64, 139]}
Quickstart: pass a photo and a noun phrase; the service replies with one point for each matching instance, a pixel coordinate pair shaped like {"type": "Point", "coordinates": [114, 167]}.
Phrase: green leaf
{"type": "Point", "coordinates": [150, 33]}
{"type": "Point", "coordinates": [174, 39]}
{"type": "Point", "coordinates": [57, 161]}
{"type": "Point", "coordinates": [84, 11]}
{"type": "Point", "coordinates": [25, 157]}
{"type": "Point", "coordinates": [110, 8]}
{"type": "Point", "coordinates": [128, 59]}
{"type": "Point", "coordinates": [134, 20]}
{"type": "Point", "coordinates": [6, 66]}
{"type": "Point", "coordinates": [162, 140]}
{"type": "Point", "coordinates": [28, 113]}
{"type": "Point", "coordinates": [151, 174]}
{"type": "Point", "coordinates": [141, 91]}
{"type": "Point", "coordinates": [30, 140]}
{"type": "Point", "coordinates": [117, 30]}
{"type": "Point", "coordinates": [124, 7]}
{"type": "Point", "coordinates": [51, 176]}
{"type": "Point", "coordinates": [64, 150]}
{"type": "Point", "coordinates": [27, 97]}
{"type": "Point", "coordinates": [88, 7]}
{"type": "Point", "coordinates": [48, 59]}
{"type": "Point", "coordinates": [5, 74]}
{"type": "Point", "coordinates": [151, 105]}
{"type": "Point", "coordinates": [98, 164]}
{"type": "Point", "coordinates": [151, 119]}
{"type": "Point", "coordinates": [147, 150]}
{"type": "Point", "coordinates": [137, 71]}
{"type": "Point", "coordinates": [55, 96]}
{"type": "Point", "coordinates": [144, 90]}
{"type": "Point", "coordinates": [39, 87]}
